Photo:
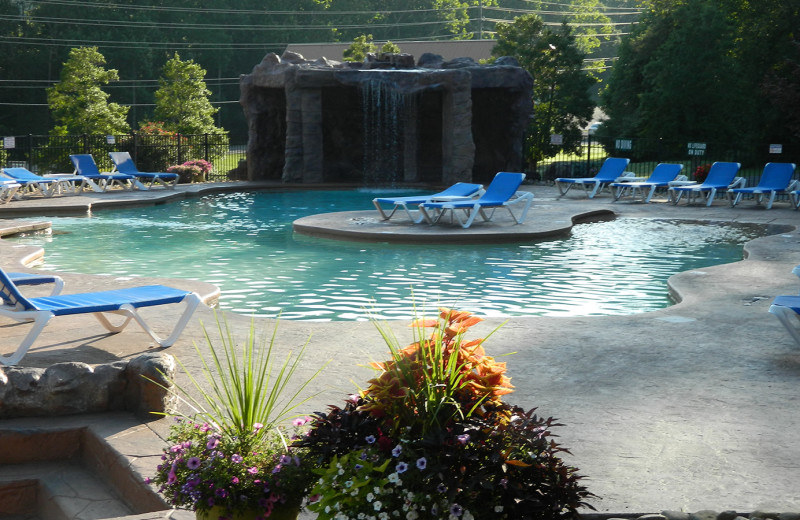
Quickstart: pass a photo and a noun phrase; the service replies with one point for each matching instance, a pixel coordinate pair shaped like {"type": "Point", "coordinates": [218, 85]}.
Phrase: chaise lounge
{"type": "Point", "coordinates": [501, 193]}
{"type": "Point", "coordinates": [459, 190]}
{"type": "Point", "coordinates": [612, 169]}
{"type": "Point", "coordinates": [41, 310]}
{"type": "Point", "coordinates": [123, 163]}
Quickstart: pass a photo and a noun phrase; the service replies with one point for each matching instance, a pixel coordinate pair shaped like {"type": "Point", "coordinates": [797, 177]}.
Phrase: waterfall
{"type": "Point", "coordinates": [384, 116]}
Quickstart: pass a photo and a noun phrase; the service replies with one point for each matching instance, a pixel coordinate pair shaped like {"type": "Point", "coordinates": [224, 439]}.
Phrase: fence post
{"type": "Point", "coordinates": [205, 146]}
{"type": "Point", "coordinates": [30, 152]}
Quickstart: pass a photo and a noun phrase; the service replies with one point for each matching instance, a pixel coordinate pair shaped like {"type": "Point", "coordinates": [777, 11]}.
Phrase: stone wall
{"type": "Point", "coordinates": [73, 388]}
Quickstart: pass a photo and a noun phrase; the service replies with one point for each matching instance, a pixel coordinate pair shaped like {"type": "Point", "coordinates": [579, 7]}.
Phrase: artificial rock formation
{"type": "Point", "coordinates": [71, 388]}
{"type": "Point", "coordinates": [385, 120]}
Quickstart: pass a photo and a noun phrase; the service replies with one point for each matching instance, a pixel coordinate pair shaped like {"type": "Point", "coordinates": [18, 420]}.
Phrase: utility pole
{"type": "Point", "coordinates": [480, 19]}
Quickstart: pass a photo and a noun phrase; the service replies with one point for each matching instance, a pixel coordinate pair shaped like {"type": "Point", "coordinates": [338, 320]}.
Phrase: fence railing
{"type": "Point", "coordinates": [50, 154]}
{"type": "Point", "coordinates": [646, 153]}
{"type": "Point", "coordinates": [154, 153]}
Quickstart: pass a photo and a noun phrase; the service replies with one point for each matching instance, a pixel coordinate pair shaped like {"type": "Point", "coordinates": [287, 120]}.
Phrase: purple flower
{"type": "Point", "coordinates": [257, 426]}
{"type": "Point", "coordinates": [401, 467]}
{"type": "Point", "coordinates": [221, 493]}
{"type": "Point", "coordinates": [236, 458]}
{"type": "Point", "coordinates": [370, 439]}
{"type": "Point", "coordinates": [422, 463]}
{"type": "Point", "coordinates": [441, 488]}
{"type": "Point", "coordinates": [456, 510]}
{"type": "Point", "coordinates": [285, 459]}
{"type": "Point", "coordinates": [235, 480]}
{"type": "Point", "coordinates": [463, 439]}
{"type": "Point", "coordinates": [193, 463]}
{"type": "Point", "coordinates": [397, 451]}
{"type": "Point", "coordinates": [358, 466]}
{"type": "Point", "coordinates": [178, 448]}
{"type": "Point", "coordinates": [253, 470]}
{"type": "Point", "coordinates": [212, 443]}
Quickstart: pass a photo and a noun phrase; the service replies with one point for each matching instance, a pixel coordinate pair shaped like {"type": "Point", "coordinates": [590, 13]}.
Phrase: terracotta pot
{"type": "Point", "coordinates": [280, 512]}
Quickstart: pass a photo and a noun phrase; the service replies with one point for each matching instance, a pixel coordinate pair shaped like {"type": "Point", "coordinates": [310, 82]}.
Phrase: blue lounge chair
{"type": "Point", "coordinates": [501, 193]}
{"type": "Point", "coordinates": [613, 168]}
{"type": "Point", "coordinates": [721, 177]}
{"type": "Point", "coordinates": [97, 181]}
{"type": "Point", "coordinates": [787, 310]}
{"type": "Point", "coordinates": [459, 190]}
{"type": "Point", "coordinates": [124, 164]}
{"type": "Point", "coordinates": [36, 279]}
{"type": "Point", "coordinates": [662, 175]}
{"type": "Point", "coordinates": [7, 190]}
{"type": "Point", "coordinates": [776, 178]}
{"type": "Point", "coordinates": [33, 184]}
{"type": "Point", "coordinates": [41, 310]}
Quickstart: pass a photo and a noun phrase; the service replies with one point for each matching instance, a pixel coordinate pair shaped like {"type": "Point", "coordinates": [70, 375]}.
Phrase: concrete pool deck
{"type": "Point", "coordinates": [687, 408]}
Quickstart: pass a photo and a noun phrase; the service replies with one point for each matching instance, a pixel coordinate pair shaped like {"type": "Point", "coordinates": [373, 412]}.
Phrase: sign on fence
{"type": "Point", "coordinates": [624, 144]}
{"type": "Point", "coordinates": [776, 148]}
{"type": "Point", "coordinates": [556, 139]}
{"type": "Point", "coordinates": [696, 148]}
{"type": "Point", "coordinates": [9, 142]}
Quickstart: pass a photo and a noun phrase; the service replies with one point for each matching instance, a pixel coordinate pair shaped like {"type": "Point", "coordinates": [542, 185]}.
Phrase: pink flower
{"type": "Point", "coordinates": [253, 470]}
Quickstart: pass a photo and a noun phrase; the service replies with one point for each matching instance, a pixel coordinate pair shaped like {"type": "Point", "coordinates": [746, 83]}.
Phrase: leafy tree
{"type": "Point", "coordinates": [182, 99]}
{"type": "Point", "coordinates": [390, 48]}
{"type": "Point", "coordinates": [697, 70]}
{"type": "Point", "coordinates": [77, 102]}
{"type": "Point", "coordinates": [358, 50]}
{"type": "Point", "coordinates": [562, 102]}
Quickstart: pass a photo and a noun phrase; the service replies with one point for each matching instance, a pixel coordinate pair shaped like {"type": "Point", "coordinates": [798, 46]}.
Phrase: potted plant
{"type": "Point", "coordinates": [231, 456]}
{"type": "Point", "coordinates": [431, 437]}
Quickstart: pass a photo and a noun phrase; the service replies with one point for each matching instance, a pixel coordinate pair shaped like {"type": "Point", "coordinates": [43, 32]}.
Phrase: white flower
{"type": "Point", "coordinates": [383, 516]}
{"type": "Point", "coordinates": [467, 516]}
{"type": "Point", "coordinates": [394, 478]}
{"type": "Point", "coordinates": [361, 516]}
{"type": "Point", "coordinates": [412, 515]}
{"type": "Point", "coordinates": [377, 505]}
{"type": "Point", "coordinates": [498, 509]}
{"type": "Point", "coordinates": [327, 509]}
{"type": "Point", "coordinates": [370, 497]}
{"type": "Point", "coordinates": [348, 484]}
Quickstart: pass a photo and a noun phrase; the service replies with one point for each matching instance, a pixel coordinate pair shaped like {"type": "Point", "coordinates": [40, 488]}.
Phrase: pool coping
{"type": "Point", "coordinates": [685, 408]}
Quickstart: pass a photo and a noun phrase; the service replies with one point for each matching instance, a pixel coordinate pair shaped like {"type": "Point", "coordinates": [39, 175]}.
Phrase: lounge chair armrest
{"type": "Point", "coordinates": [792, 186]}
{"type": "Point", "coordinates": [738, 182]}
{"type": "Point", "coordinates": [626, 177]}
{"type": "Point", "coordinates": [681, 178]}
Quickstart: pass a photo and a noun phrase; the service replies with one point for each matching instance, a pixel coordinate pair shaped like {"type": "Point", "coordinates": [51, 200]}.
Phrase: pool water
{"type": "Point", "coordinates": [243, 242]}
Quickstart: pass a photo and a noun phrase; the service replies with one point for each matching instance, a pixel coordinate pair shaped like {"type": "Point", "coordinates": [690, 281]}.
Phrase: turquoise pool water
{"type": "Point", "coordinates": [244, 243]}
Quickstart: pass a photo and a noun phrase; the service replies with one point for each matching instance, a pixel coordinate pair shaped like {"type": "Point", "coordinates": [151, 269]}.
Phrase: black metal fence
{"type": "Point", "coordinates": [646, 153]}
{"type": "Point", "coordinates": [155, 153]}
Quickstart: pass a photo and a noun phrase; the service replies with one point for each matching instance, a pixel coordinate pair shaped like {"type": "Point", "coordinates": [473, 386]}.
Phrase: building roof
{"type": "Point", "coordinates": [450, 49]}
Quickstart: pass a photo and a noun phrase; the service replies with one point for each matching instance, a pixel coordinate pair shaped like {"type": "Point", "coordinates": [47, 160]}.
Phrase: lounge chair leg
{"type": "Point", "coordinates": [111, 327]}
{"type": "Point", "coordinates": [40, 319]}
{"type": "Point", "coordinates": [785, 314]}
{"type": "Point", "coordinates": [191, 301]}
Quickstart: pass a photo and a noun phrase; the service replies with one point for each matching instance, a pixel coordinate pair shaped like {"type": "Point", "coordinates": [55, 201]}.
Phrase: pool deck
{"type": "Point", "coordinates": [692, 407]}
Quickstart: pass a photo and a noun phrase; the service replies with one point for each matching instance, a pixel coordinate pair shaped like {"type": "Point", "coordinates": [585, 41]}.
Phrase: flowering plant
{"type": "Point", "coordinates": [432, 438]}
{"type": "Point", "coordinates": [192, 171]}
{"type": "Point", "coordinates": [203, 468]}
{"type": "Point", "coordinates": [232, 454]}
{"type": "Point", "coordinates": [701, 172]}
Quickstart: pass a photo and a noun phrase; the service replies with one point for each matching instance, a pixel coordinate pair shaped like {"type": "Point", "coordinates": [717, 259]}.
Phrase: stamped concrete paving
{"type": "Point", "coordinates": [690, 407]}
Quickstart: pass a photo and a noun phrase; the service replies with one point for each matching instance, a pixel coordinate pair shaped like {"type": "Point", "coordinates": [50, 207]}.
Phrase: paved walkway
{"type": "Point", "coordinates": [687, 408]}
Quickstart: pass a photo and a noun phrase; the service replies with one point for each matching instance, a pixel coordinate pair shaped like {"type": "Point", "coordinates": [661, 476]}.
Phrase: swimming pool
{"type": "Point", "coordinates": [244, 243]}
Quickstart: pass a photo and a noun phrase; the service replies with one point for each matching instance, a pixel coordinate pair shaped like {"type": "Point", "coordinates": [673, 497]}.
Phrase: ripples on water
{"type": "Point", "coordinates": [243, 242]}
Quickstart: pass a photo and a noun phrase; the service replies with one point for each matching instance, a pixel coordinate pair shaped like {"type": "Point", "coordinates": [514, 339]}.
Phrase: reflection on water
{"type": "Point", "coordinates": [243, 242]}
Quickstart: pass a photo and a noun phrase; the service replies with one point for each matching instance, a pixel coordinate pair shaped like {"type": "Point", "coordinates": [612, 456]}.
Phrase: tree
{"type": "Point", "coordinates": [182, 99]}
{"type": "Point", "coordinates": [358, 50]}
{"type": "Point", "coordinates": [78, 104]}
{"type": "Point", "coordinates": [561, 97]}
{"type": "Point", "coordinates": [696, 71]}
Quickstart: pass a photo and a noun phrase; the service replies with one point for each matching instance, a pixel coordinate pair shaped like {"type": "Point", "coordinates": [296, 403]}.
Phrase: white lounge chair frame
{"type": "Point", "coordinates": [19, 308]}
